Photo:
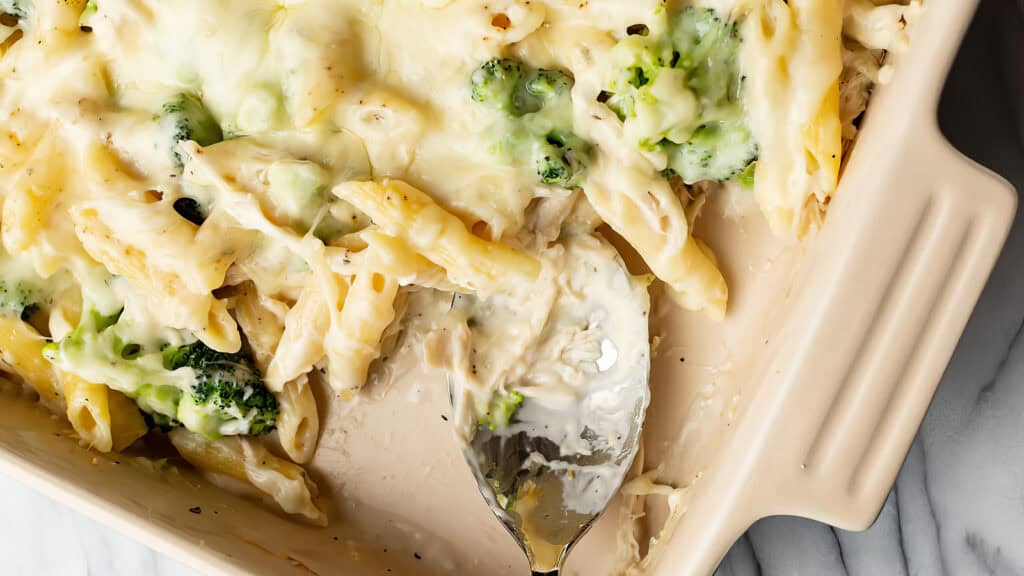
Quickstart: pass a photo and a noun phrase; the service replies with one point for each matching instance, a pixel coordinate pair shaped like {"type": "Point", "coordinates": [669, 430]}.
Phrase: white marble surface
{"type": "Point", "coordinates": [39, 537]}
{"type": "Point", "coordinates": [958, 506]}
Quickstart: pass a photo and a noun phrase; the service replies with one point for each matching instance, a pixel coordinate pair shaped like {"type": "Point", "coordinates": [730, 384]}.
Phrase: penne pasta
{"type": "Point", "coordinates": [126, 422]}
{"type": "Point", "coordinates": [302, 343]}
{"type": "Point", "coordinates": [298, 423]}
{"type": "Point", "coordinates": [117, 234]}
{"type": "Point", "coordinates": [89, 412]}
{"type": "Point", "coordinates": [392, 257]}
{"type": "Point", "coordinates": [104, 419]}
{"type": "Point", "coordinates": [405, 212]}
{"type": "Point", "coordinates": [794, 59]}
{"type": "Point", "coordinates": [244, 460]}
{"type": "Point", "coordinates": [28, 201]}
{"type": "Point", "coordinates": [262, 320]}
{"type": "Point", "coordinates": [21, 349]}
{"type": "Point", "coordinates": [354, 341]}
{"type": "Point", "coordinates": [686, 265]}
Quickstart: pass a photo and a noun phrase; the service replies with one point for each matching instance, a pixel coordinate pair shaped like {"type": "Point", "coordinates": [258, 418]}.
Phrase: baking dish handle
{"type": "Point", "coordinates": [900, 302]}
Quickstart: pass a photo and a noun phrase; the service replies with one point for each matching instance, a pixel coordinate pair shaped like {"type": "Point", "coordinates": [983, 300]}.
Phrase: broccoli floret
{"type": "Point", "coordinates": [562, 159]}
{"type": "Point", "coordinates": [184, 117]}
{"type": "Point", "coordinates": [716, 151]}
{"type": "Point", "coordinates": [209, 392]}
{"type": "Point", "coordinates": [228, 393]}
{"type": "Point", "coordinates": [664, 109]}
{"type": "Point", "coordinates": [22, 291]}
{"type": "Point", "coordinates": [299, 191]}
{"type": "Point", "coordinates": [708, 49]}
{"type": "Point", "coordinates": [19, 298]}
{"type": "Point", "coordinates": [20, 9]}
{"type": "Point", "coordinates": [549, 84]}
{"type": "Point", "coordinates": [544, 88]}
{"type": "Point", "coordinates": [500, 410]}
{"type": "Point", "coordinates": [539, 106]}
{"type": "Point", "coordinates": [639, 58]}
{"type": "Point", "coordinates": [89, 330]}
{"type": "Point", "coordinates": [87, 13]}
{"type": "Point", "coordinates": [497, 83]}
{"type": "Point", "coordinates": [260, 111]}
{"type": "Point", "coordinates": [160, 403]}
{"type": "Point", "coordinates": [681, 92]}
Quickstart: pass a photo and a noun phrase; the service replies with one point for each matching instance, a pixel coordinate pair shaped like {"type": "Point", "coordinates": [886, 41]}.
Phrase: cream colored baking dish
{"type": "Point", "coordinates": [803, 402]}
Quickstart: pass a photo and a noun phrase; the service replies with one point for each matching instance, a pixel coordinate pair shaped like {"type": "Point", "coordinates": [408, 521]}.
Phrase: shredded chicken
{"type": "Point", "coordinates": [630, 561]}
{"type": "Point", "coordinates": [873, 30]}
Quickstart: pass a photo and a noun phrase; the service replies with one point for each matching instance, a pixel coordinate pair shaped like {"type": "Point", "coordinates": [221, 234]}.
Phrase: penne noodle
{"type": "Point", "coordinates": [298, 423]}
{"type": "Point", "coordinates": [246, 461]}
{"type": "Point", "coordinates": [89, 412]}
{"type": "Point", "coordinates": [408, 213]}
{"type": "Point", "coordinates": [353, 343]}
{"type": "Point", "coordinates": [21, 349]}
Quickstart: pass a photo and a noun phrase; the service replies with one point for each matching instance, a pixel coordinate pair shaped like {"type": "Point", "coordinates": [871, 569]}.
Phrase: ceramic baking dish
{"type": "Point", "coordinates": [803, 402]}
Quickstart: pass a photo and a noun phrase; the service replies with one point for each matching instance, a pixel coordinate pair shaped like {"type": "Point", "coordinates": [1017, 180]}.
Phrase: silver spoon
{"type": "Point", "coordinates": [553, 469]}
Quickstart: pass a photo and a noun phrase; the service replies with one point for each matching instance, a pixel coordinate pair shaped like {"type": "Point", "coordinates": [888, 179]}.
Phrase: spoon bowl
{"type": "Point", "coordinates": [553, 469]}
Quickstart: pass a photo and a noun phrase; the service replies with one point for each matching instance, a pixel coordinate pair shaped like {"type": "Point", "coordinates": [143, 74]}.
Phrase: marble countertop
{"type": "Point", "coordinates": [958, 505]}
{"type": "Point", "coordinates": [40, 537]}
